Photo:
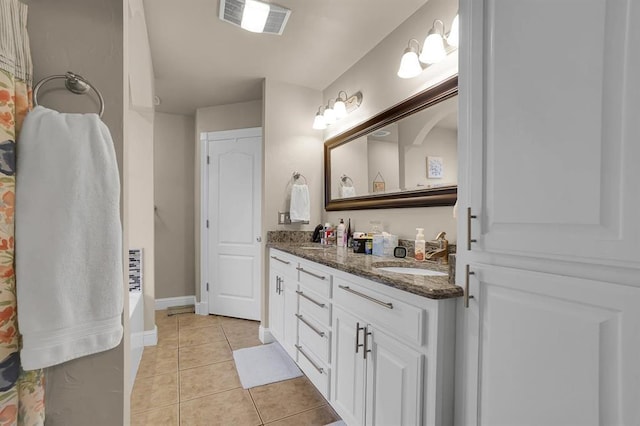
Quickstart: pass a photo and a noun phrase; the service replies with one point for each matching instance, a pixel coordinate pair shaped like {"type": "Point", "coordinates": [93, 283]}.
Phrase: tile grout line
{"type": "Point", "coordinates": [255, 406]}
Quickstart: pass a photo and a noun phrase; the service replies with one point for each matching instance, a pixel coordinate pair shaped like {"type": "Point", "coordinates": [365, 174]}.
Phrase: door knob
{"type": "Point", "coordinates": [259, 239]}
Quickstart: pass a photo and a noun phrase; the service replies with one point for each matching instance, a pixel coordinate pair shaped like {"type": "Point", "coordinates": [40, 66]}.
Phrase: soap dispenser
{"type": "Point", "coordinates": [419, 244]}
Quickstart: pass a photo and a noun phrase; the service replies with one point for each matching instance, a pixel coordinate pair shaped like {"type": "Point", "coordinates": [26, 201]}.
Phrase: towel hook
{"type": "Point", "coordinates": [74, 83]}
{"type": "Point", "coordinates": [298, 175]}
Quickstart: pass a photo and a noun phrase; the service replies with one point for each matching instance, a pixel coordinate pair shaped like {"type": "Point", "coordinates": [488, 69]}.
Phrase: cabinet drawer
{"type": "Point", "coordinates": [399, 318]}
{"type": "Point", "coordinates": [283, 262]}
{"type": "Point", "coordinates": [316, 279]}
{"type": "Point", "coordinates": [313, 305]}
{"type": "Point", "coordinates": [315, 337]}
{"type": "Point", "coordinates": [315, 370]}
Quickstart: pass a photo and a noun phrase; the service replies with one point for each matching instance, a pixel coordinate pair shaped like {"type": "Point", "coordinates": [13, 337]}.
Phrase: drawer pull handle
{"type": "Point", "coordinates": [322, 305]}
{"type": "Point", "coordinates": [358, 328]}
{"type": "Point", "coordinates": [320, 370]}
{"type": "Point", "coordinates": [280, 260]}
{"type": "Point", "coordinates": [372, 299]}
{"type": "Point", "coordinates": [318, 332]}
{"type": "Point", "coordinates": [320, 277]}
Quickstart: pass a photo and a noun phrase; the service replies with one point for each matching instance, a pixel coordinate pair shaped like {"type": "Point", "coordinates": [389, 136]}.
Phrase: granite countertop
{"type": "Point", "coordinates": [366, 266]}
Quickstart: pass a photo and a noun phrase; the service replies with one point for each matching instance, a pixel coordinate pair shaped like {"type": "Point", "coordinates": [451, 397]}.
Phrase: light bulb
{"type": "Point", "coordinates": [339, 109]}
{"type": "Point", "coordinates": [329, 115]}
{"type": "Point", "coordinates": [454, 36]}
{"type": "Point", "coordinates": [319, 122]}
{"type": "Point", "coordinates": [409, 64]}
{"type": "Point", "coordinates": [254, 16]}
{"type": "Point", "coordinates": [433, 48]}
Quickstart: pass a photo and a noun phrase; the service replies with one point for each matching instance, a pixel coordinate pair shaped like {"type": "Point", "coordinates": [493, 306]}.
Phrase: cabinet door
{"type": "Point", "coordinates": [394, 382]}
{"type": "Point", "coordinates": [348, 388]}
{"type": "Point", "coordinates": [276, 305]}
{"type": "Point", "coordinates": [551, 132]}
{"type": "Point", "coordinates": [551, 350]}
{"type": "Point", "coordinates": [290, 322]}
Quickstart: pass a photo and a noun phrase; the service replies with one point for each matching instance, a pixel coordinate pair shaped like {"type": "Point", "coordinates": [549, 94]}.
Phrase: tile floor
{"type": "Point", "coordinates": [190, 379]}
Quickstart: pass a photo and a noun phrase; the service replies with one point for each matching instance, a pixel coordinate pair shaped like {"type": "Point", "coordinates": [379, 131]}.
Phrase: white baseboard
{"type": "Point", "coordinates": [202, 308]}
{"type": "Point", "coordinates": [168, 302]}
{"type": "Point", "coordinates": [265, 335]}
{"type": "Point", "coordinates": [150, 337]}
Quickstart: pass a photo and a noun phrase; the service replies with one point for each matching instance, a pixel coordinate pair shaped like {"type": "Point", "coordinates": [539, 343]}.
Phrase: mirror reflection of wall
{"type": "Point", "coordinates": [399, 153]}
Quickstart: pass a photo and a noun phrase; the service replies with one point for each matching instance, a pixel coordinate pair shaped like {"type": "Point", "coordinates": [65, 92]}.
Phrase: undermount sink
{"type": "Point", "coordinates": [412, 271]}
{"type": "Point", "coordinates": [312, 248]}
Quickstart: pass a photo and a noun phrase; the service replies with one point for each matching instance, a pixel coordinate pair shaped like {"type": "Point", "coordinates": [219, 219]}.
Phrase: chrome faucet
{"type": "Point", "coordinates": [442, 252]}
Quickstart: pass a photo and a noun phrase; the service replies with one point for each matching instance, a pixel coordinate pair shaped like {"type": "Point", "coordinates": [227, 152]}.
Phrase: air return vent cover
{"type": "Point", "coordinates": [231, 11]}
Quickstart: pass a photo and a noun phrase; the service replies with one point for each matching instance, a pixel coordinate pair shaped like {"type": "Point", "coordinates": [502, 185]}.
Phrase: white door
{"type": "Point", "coordinates": [234, 214]}
{"type": "Point", "coordinates": [394, 381]}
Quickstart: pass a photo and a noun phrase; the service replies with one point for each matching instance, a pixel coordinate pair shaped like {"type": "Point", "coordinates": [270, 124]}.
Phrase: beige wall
{"type": "Point", "coordinates": [241, 115]}
{"type": "Point", "coordinates": [174, 199]}
{"type": "Point", "coordinates": [139, 152]}
{"type": "Point", "coordinates": [375, 76]}
{"type": "Point", "coordinates": [290, 144]}
{"type": "Point", "coordinates": [84, 36]}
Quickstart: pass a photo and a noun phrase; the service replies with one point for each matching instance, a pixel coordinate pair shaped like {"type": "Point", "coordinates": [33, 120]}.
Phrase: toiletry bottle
{"type": "Point", "coordinates": [341, 233]}
{"type": "Point", "coordinates": [419, 244]}
{"type": "Point", "coordinates": [348, 237]}
{"type": "Point", "coordinates": [325, 234]}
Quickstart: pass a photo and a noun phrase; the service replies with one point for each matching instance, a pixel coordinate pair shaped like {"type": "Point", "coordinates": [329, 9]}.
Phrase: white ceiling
{"type": "Point", "coordinates": [199, 60]}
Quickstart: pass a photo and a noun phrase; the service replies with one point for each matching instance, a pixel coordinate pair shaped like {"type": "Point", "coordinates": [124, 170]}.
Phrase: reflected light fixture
{"type": "Point", "coordinates": [254, 16]}
{"type": "Point", "coordinates": [319, 122]}
{"type": "Point", "coordinates": [339, 106]}
{"type": "Point", "coordinates": [453, 39]}
{"type": "Point", "coordinates": [433, 47]}
{"type": "Point", "coordinates": [409, 64]}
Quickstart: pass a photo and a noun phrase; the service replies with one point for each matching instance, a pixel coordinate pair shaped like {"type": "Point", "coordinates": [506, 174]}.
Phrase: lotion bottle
{"type": "Point", "coordinates": [341, 234]}
{"type": "Point", "coordinates": [419, 244]}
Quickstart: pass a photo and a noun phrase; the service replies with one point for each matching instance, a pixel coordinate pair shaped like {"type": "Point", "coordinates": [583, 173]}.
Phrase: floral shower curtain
{"type": "Point", "coordinates": [21, 392]}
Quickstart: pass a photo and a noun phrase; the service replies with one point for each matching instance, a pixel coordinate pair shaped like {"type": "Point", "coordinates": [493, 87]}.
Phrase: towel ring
{"type": "Point", "coordinates": [74, 83]}
{"type": "Point", "coordinates": [298, 175]}
{"type": "Point", "coordinates": [344, 179]}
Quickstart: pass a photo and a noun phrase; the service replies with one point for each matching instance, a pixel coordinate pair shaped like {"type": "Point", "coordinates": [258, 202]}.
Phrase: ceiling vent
{"type": "Point", "coordinates": [231, 12]}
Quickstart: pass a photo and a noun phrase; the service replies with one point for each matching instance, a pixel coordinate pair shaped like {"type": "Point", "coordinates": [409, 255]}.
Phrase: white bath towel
{"type": "Point", "coordinates": [300, 209]}
{"type": "Point", "coordinates": [347, 191]}
{"type": "Point", "coordinates": [69, 275]}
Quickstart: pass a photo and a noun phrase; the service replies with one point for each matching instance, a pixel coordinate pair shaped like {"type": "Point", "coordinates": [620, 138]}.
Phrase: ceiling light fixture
{"type": "Point", "coordinates": [410, 64]}
{"type": "Point", "coordinates": [254, 16]}
{"type": "Point", "coordinates": [342, 105]}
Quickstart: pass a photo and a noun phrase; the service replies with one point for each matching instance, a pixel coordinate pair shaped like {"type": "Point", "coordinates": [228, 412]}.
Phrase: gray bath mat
{"type": "Point", "coordinates": [264, 364]}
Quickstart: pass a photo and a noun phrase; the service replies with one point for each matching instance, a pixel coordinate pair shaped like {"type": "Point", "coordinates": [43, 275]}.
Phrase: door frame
{"type": "Point", "coordinates": [202, 305]}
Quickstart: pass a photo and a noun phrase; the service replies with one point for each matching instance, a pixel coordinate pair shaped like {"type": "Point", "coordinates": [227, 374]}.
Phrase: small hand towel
{"type": "Point", "coordinates": [347, 191]}
{"type": "Point", "coordinates": [300, 209]}
{"type": "Point", "coordinates": [69, 275]}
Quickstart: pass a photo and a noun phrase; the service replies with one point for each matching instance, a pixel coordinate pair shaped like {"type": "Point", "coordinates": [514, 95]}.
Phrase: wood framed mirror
{"type": "Point", "coordinates": [406, 156]}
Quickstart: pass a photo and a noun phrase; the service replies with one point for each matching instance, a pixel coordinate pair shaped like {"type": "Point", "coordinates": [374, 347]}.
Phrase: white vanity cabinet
{"type": "Point", "coordinates": [548, 154]}
{"type": "Point", "coordinates": [283, 304]}
{"type": "Point", "coordinates": [381, 356]}
{"type": "Point", "coordinates": [393, 355]}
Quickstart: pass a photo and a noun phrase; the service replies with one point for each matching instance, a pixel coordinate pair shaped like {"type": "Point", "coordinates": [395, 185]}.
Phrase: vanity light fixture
{"type": "Point", "coordinates": [329, 114]}
{"type": "Point", "coordinates": [339, 106]}
{"type": "Point", "coordinates": [410, 64]}
{"type": "Point", "coordinates": [453, 39]}
{"type": "Point", "coordinates": [433, 47]}
{"type": "Point", "coordinates": [437, 45]}
{"type": "Point", "coordinates": [342, 105]}
{"type": "Point", "coordinates": [319, 122]}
